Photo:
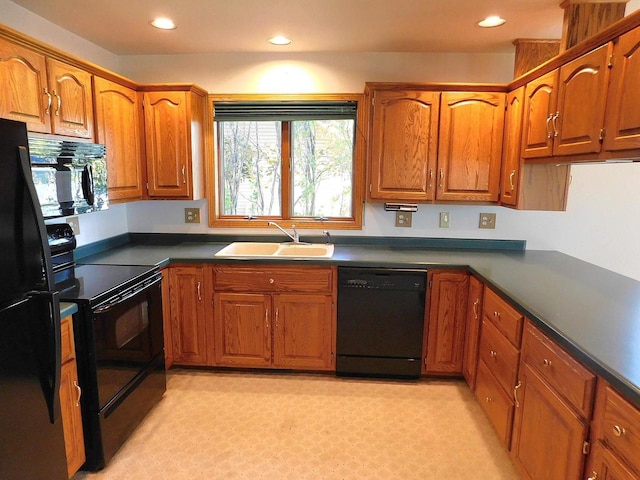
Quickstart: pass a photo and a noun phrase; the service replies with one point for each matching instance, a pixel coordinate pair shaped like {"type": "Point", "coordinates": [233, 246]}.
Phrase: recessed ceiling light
{"type": "Point", "coordinates": [163, 23]}
{"type": "Point", "coordinates": [493, 21]}
{"type": "Point", "coordinates": [280, 40]}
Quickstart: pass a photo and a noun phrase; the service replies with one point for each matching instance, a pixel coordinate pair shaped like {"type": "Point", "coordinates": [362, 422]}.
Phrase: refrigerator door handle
{"type": "Point", "coordinates": [25, 169]}
{"type": "Point", "coordinates": [51, 371]}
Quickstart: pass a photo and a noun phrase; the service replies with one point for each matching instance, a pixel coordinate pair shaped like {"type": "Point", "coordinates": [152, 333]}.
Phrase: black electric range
{"type": "Point", "coordinates": [119, 340]}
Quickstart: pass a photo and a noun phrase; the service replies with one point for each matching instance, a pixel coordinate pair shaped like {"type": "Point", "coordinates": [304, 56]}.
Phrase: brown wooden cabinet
{"type": "Point", "coordinates": [444, 331]}
{"type": "Point", "coordinates": [49, 95]}
{"type": "Point", "coordinates": [403, 145]}
{"type": "Point", "coordinates": [565, 109]}
{"type": "Point", "coordinates": [472, 333]}
{"type": "Point", "coordinates": [119, 126]}
{"type": "Point", "coordinates": [511, 159]}
{"type": "Point", "coordinates": [615, 437]}
{"type": "Point", "coordinates": [70, 393]}
{"type": "Point", "coordinates": [498, 359]}
{"type": "Point", "coordinates": [174, 133]}
{"type": "Point", "coordinates": [275, 317]}
{"type": "Point", "coordinates": [470, 146]}
{"type": "Point", "coordinates": [623, 115]}
{"type": "Point", "coordinates": [190, 331]}
{"type": "Point", "coordinates": [554, 402]}
{"type": "Point", "coordinates": [426, 145]}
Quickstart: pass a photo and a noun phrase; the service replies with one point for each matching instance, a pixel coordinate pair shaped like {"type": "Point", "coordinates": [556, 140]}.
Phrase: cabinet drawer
{"type": "Point", "coordinates": [621, 427]}
{"type": "Point", "coordinates": [495, 403]}
{"type": "Point", "coordinates": [565, 375]}
{"type": "Point", "coordinates": [504, 316]}
{"type": "Point", "coordinates": [66, 338]}
{"type": "Point", "coordinates": [273, 279]}
{"type": "Point", "coordinates": [499, 356]}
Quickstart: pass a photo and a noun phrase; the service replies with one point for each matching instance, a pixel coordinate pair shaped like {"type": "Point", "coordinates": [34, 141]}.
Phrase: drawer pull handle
{"type": "Point", "coordinates": [496, 314]}
{"type": "Point", "coordinates": [488, 400]}
{"type": "Point", "coordinates": [515, 394]}
{"type": "Point", "coordinates": [618, 431]}
{"type": "Point", "coordinates": [546, 363]}
{"type": "Point", "coordinates": [75, 384]}
{"type": "Point", "coordinates": [594, 476]}
{"type": "Point", "coordinates": [493, 354]}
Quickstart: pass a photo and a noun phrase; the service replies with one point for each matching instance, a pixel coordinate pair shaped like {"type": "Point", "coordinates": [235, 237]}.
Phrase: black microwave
{"type": "Point", "coordinates": [70, 177]}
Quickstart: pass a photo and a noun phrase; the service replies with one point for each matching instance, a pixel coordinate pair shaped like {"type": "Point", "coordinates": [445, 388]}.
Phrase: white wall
{"type": "Point", "coordinates": [601, 224]}
{"type": "Point", "coordinates": [22, 20]}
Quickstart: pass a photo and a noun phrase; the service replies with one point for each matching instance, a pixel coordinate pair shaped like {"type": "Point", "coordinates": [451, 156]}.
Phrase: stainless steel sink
{"type": "Point", "coordinates": [269, 249]}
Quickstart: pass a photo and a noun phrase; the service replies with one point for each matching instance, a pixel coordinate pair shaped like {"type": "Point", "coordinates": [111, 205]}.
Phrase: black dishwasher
{"type": "Point", "coordinates": [380, 322]}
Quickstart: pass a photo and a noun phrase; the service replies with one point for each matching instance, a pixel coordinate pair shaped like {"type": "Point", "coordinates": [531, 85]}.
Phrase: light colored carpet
{"type": "Point", "coordinates": [280, 426]}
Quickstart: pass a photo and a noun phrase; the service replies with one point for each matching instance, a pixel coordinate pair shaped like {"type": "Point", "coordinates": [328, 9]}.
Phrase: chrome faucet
{"type": "Point", "coordinates": [295, 237]}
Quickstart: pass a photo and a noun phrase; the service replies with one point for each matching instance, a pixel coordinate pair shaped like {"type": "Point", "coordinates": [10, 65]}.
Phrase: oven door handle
{"type": "Point", "coordinates": [136, 290]}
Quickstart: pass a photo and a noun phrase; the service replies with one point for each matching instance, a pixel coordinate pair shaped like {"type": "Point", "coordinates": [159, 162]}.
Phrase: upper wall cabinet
{"type": "Point", "coordinates": [427, 145]}
{"type": "Point", "coordinates": [403, 145]}
{"type": "Point", "coordinates": [174, 132]}
{"type": "Point", "coordinates": [50, 96]}
{"type": "Point", "coordinates": [565, 109]}
{"type": "Point", "coordinates": [470, 146]}
{"type": "Point", "coordinates": [623, 114]}
{"type": "Point", "coordinates": [119, 126]}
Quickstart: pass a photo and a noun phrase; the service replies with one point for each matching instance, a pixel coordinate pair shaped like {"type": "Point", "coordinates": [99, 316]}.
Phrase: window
{"type": "Point", "coordinates": [293, 160]}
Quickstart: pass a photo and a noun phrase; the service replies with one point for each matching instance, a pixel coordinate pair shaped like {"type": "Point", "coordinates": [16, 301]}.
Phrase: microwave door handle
{"type": "Point", "coordinates": [87, 185]}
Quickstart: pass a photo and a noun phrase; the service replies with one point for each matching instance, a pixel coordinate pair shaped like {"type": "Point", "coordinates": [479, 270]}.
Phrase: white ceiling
{"type": "Point", "coordinates": [205, 26]}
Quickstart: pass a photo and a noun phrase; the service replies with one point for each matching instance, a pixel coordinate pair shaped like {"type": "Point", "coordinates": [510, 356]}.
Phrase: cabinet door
{"type": "Point", "coordinates": [623, 114]}
{"type": "Point", "coordinates": [511, 164]}
{"type": "Point", "coordinates": [472, 334]}
{"type": "Point", "coordinates": [403, 145]}
{"type": "Point", "coordinates": [539, 109]}
{"type": "Point", "coordinates": [581, 103]}
{"type": "Point", "coordinates": [188, 319]}
{"type": "Point", "coordinates": [548, 436]}
{"type": "Point", "coordinates": [72, 110]}
{"type": "Point", "coordinates": [24, 93]}
{"type": "Point", "coordinates": [611, 468]}
{"type": "Point", "coordinates": [119, 127]}
{"type": "Point", "coordinates": [242, 329]}
{"type": "Point", "coordinates": [303, 335]}
{"type": "Point", "coordinates": [71, 417]}
{"type": "Point", "coordinates": [445, 326]}
{"type": "Point", "coordinates": [470, 146]}
{"type": "Point", "coordinates": [167, 142]}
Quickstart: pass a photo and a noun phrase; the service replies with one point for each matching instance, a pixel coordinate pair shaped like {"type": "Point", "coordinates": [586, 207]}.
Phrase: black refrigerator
{"type": "Point", "coordinates": [31, 435]}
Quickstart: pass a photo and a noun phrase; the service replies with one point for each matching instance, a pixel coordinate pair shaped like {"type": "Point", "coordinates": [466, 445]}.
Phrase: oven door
{"type": "Point", "coordinates": [128, 340]}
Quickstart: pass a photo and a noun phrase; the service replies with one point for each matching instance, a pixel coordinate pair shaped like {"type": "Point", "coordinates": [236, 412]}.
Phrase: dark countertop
{"type": "Point", "coordinates": [592, 312]}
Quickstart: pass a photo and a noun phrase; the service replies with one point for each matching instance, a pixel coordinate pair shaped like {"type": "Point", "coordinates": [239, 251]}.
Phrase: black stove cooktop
{"type": "Point", "coordinates": [94, 283]}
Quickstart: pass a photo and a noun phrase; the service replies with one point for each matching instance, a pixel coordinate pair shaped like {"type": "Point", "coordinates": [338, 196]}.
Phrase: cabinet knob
{"type": "Point", "coordinates": [594, 476]}
{"type": "Point", "coordinates": [493, 354]}
{"type": "Point", "coordinates": [488, 400]}
{"type": "Point", "coordinates": [496, 314]}
{"type": "Point", "coordinates": [546, 363]}
{"type": "Point", "coordinates": [618, 431]}
{"type": "Point", "coordinates": [271, 280]}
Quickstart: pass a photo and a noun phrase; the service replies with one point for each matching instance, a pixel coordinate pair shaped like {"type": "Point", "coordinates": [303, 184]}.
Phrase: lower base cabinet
{"type": "Point", "coordinates": [274, 317]}
{"type": "Point", "coordinates": [70, 393]}
{"type": "Point", "coordinates": [191, 342]}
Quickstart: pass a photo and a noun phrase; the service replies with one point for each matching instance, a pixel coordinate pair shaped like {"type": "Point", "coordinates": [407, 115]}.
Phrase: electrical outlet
{"type": "Point", "coordinates": [487, 220]}
{"type": "Point", "coordinates": [191, 215]}
{"type": "Point", "coordinates": [444, 219]}
{"type": "Point", "coordinates": [403, 219]}
{"type": "Point", "coordinates": [74, 223]}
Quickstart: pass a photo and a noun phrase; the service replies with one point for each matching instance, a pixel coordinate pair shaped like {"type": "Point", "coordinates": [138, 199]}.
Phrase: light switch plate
{"type": "Point", "coordinates": [487, 220]}
{"type": "Point", "coordinates": [403, 219]}
{"type": "Point", "coordinates": [74, 223]}
{"type": "Point", "coordinates": [191, 215]}
{"type": "Point", "coordinates": [444, 219]}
